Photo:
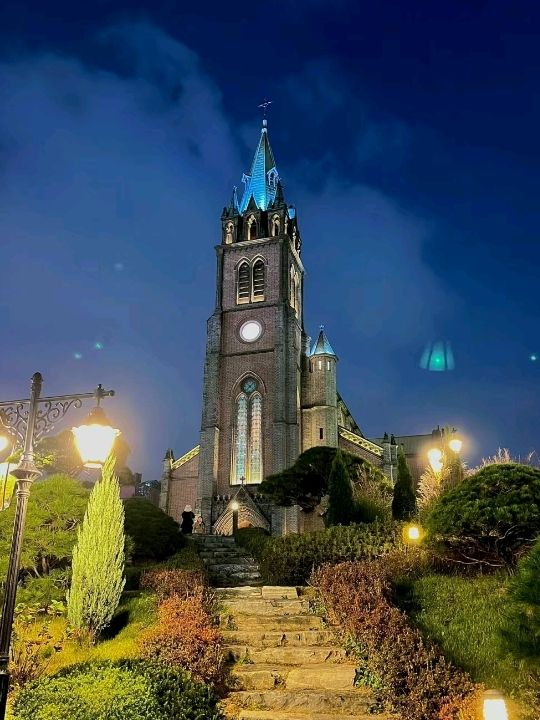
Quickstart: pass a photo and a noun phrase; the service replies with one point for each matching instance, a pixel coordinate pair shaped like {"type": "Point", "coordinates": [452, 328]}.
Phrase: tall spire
{"type": "Point", "coordinates": [261, 184]}
{"type": "Point", "coordinates": [322, 346]}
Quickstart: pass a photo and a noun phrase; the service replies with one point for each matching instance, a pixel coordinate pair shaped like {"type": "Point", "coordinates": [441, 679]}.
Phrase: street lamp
{"type": "Point", "coordinates": [29, 420]}
{"type": "Point", "coordinates": [235, 508]}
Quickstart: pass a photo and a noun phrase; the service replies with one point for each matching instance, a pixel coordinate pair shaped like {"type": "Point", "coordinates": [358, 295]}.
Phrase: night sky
{"type": "Point", "coordinates": [406, 134]}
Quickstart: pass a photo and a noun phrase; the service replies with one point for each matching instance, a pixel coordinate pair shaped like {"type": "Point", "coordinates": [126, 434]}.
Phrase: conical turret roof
{"type": "Point", "coordinates": [322, 346]}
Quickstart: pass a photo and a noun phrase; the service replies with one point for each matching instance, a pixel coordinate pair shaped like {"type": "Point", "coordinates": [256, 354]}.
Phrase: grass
{"type": "Point", "coordinates": [465, 616]}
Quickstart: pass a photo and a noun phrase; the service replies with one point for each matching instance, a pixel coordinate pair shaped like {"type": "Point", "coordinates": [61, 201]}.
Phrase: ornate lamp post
{"type": "Point", "coordinates": [29, 420]}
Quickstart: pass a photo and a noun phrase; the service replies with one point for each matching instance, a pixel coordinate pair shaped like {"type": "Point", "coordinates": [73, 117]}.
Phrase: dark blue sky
{"type": "Point", "coordinates": [406, 134]}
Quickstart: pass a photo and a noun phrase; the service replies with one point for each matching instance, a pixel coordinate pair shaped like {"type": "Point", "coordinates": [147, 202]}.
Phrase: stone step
{"type": "Point", "coordinates": [287, 623]}
{"type": "Point", "coordinates": [268, 592]}
{"type": "Point", "coordinates": [261, 606]}
{"type": "Point", "coordinates": [226, 582]}
{"type": "Point", "coordinates": [313, 677]}
{"type": "Point", "coordinates": [239, 575]}
{"type": "Point", "coordinates": [278, 638]}
{"type": "Point", "coordinates": [354, 701]}
{"type": "Point", "coordinates": [239, 564]}
{"type": "Point", "coordinates": [286, 715]}
{"type": "Point", "coordinates": [316, 655]}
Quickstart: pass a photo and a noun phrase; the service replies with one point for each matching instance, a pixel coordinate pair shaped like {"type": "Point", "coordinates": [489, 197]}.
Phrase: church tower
{"type": "Point", "coordinates": [251, 417]}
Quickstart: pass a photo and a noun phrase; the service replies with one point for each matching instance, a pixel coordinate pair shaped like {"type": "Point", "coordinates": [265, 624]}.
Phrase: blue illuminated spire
{"type": "Point", "coordinates": [262, 183]}
{"type": "Point", "coordinates": [322, 346]}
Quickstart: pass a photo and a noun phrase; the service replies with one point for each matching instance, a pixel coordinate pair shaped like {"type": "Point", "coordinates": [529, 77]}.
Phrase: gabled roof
{"type": "Point", "coordinates": [262, 182]}
{"type": "Point", "coordinates": [322, 346]}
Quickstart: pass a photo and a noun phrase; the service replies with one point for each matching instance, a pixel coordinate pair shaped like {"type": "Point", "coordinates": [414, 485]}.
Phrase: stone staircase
{"type": "Point", "coordinates": [227, 564]}
{"type": "Point", "coordinates": [285, 663]}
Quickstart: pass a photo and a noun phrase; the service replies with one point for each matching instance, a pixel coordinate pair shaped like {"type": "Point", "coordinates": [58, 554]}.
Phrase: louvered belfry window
{"type": "Point", "coordinates": [258, 281]}
{"type": "Point", "coordinates": [250, 281]}
{"type": "Point", "coordinates": [243, 287]}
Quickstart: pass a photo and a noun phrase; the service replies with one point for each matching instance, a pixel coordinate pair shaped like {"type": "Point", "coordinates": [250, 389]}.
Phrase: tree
{"type": "Point", "coordinates": [306, 482]}
{"type": "Point", "coordinates": [341, 506]}
{"type": "Point", "coordinates": [155, 534]}
{"type": "Point", "coordinates": [98, 558]}
{"type": "Point", "coordinates": [404, 500]}
{"type": "Point", "coordinates": [55, 509]}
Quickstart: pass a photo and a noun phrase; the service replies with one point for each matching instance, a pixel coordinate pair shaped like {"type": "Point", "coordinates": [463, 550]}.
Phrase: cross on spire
{"type": "Point", "coordinates": [264, 105]}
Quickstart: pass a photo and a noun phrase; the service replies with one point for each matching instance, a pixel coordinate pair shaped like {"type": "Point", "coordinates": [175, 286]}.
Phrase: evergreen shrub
{"type": "Point", "coordinates": [404, 499]}
{"type": "Point", "coordinates": [155, 534]}
{"type": "Point", "coordinates": [290, 560]}
{"type": "Point", "coordinates": [253, 539]}
{"type": "Point", "coordinates": [491, 518]}
{"type": "Point", "coordinates": [340, 494]}
{"type": "Point", "coordinates": [414, 679]}
{"type": "Point", "coordinates": [185, 635]}
{"type": "Point", "coordinates": [522, 631]}
{"type": "Point", "coordinates": [122, 690]}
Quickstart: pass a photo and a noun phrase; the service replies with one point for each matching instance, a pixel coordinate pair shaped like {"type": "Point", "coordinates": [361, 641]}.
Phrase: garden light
{"type": "Point", "coordinates": [95, 438]}
{"type": "Point", "coordinates": [413, 533]}
{"type": "Point", "coordinates": [235, 506]}
{"type": "Point", "coordinates": [435, 459]}
{"type": "Point", "coordinates": [494, 706]}
{"type": "Point", "coordinates": [3, 442]}
{"type": "Point", "coordinates": [455, 445]}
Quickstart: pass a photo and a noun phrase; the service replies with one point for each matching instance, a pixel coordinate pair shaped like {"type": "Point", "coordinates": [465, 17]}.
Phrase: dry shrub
{"type": "Point", "coordinates": [185, 636]}
{"type": "Point", "coordinates": [417, 682]}
{"type": "Point", "coordinates": [182, 583]}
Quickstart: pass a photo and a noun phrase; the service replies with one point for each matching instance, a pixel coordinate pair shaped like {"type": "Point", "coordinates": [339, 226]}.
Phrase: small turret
{"type": "Point", "coordinates": [319, 401]}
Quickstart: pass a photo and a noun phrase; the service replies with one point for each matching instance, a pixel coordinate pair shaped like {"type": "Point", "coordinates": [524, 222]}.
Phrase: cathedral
{"type": "Point", "coordinates": [269, 392]}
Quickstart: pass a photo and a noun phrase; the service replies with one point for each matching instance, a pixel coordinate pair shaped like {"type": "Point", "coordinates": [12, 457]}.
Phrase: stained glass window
{"type": "Point", "coordinates": [241, 439]}
{"type": "Point", "coordinates": [255, 470]}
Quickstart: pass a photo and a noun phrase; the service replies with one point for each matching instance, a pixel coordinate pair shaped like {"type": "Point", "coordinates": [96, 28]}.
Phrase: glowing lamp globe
{"type": "Point", "coordinates": [455, 445]}
{"type": "Point", "coordinates": [3, 442]}
{"type": "Point", "coordinates": [494, 706]}
{"type": "Point", "coordinates": [413, 533]}
{"type": "Point", "coordinates": [95, 438]}
{"type": "Point", "coordinates": [435, 459]}
{"type": "Point", "coordinates": [235, 506]}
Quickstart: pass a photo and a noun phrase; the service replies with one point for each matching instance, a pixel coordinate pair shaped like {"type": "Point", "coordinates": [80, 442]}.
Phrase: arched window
{"type": "Point", "coordinates": [229, 229]}
{"type": "Point", "coordinates": [247, 463]}
{"type": "Point", "coordinates": [243, 283]}
{"type": "Point", "coordinates": [252, 228]}
{"type": "Point", "coordinates": [275, 225]}
{"type": "Point", "coordinates": [258, 281]}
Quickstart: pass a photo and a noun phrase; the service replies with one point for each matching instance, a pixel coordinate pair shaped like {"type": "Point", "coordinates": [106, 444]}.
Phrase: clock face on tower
{"type": "Point", "coordinates": [250, 331]}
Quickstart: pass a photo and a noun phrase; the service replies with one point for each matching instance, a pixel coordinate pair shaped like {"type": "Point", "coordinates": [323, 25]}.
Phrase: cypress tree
{"type": "Point", "coordinates": [404, 500]}
{"type": "Point", "coordinates": [98, 558]}
{"type": "Point", "coordinates": [341, 503]}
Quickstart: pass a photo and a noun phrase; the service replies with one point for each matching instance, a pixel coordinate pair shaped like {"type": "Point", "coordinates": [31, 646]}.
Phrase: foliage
{"type": "Point", "coordinates": [503, 455]}
{"type": "Point", "coordinates": [253, 539]}
{"type": "Point", "coordinates": [522, 627]}
{"type": "Point", "coordinates": [182, 583]}
{"type": "Point", "coordinates": [185, 636]}
{"type": "Point", "coordinates": [372, 502]}
{"type": "Point", "coordinates": [289, 560]}
{"type": "Point", "coordinates": [404, 500]}
{"type": "Point", "coordinates": [431, 486]}
{"type": "Point", "coordinates": [466, 616]}
{"type": "Point", "coordinates": [340, 494]}
{"type": "Point", "coordinates": [55, 508]}
{"type": "Point", "coordinates": [124, 690]}
{"type": "Point", "coordinates": [306, 482]}
{"type": "Point", "coordinates": [98, 558]}
{"type": "Point", "coordinates": [416, 681]}
{"type": "Point", "coordinates": [45, 591]}
{"type": "Point", "coordinates": [155, 534]}
{"type": "Point", "coordinates": [32, 644]}
{"type": "Point", "coordinates": [491, 518]}
{"type": "Point", "coordinates": [187, 558]}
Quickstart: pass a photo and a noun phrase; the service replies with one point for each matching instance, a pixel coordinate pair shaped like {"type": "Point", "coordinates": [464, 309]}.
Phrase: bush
{"type": "Point", "coordinates": [522, 630]}
{"type": "Point", "coordinates": [289, 560]}
{"type": "Point", "coordinates": [340, 494]}
{"type": "Point", "coordinates": [254, 539]}
{"type": "Point", "coordinates": [44, 591]}
{"type": "Point", "coordinates": [182, 583]}
{"type": "Point", "coordinates": [185, 636]}
{"type": "Point", "coordinates": [124, 690]}
{"type": "Point", "coordinates": [416, 681]}
{"type": "Point", "coordinates": [155, 534]}
{"type": "Point", "coordinates": [492, 517]}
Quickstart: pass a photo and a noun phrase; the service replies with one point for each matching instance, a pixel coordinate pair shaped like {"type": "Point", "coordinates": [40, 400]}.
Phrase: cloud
{"type": "Point", "coordinates": [133, 165]}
